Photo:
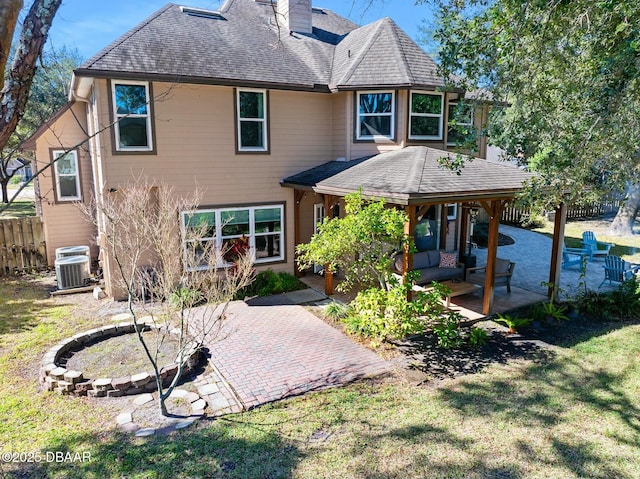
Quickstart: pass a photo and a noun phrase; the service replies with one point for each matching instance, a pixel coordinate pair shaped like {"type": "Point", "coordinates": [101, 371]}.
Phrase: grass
{"type": "Point", "coordinates": [19, 209]}
{"type": "Point", "coordinates": [627, 247]}
{"type": "Point", "coordinates": [572, 413]}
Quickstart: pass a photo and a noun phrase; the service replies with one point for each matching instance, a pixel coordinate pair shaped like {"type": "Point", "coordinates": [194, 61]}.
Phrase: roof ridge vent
{"type": "Point", "coordinates": [201, 12]}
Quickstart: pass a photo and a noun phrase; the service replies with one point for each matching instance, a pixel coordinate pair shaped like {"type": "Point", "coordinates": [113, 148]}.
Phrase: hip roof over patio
{"type": "Point", "coordinates": [414, 175]}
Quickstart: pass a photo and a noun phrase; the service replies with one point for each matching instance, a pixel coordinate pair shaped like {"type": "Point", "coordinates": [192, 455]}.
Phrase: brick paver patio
{"type": "Point", "coordinates": [267, 353]}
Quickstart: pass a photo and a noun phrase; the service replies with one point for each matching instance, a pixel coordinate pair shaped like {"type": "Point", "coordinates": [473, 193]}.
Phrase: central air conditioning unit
{"type": "Point", "coordinates": [72, 251]}
{"type": "Point", "coordinates": [72, 271]}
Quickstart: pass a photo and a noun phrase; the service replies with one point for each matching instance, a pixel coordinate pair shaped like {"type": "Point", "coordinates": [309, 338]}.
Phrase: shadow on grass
{"type": "Point", "coordinates": [539, 396]}
{"type": "Point", "coordinates": [438, 363]}
{"type": "Point", "coordinates": [22, 302]}
{"type": "Point", "coordinates": [201, 451]}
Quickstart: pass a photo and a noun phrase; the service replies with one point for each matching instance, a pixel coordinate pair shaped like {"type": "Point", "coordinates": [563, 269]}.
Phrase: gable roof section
{"type": "Point", "coordinates": [30, 143]}
{"type": "Point", "coordinates": [244, 46]}
{"type": "Point", "coordinates": [413, 175]}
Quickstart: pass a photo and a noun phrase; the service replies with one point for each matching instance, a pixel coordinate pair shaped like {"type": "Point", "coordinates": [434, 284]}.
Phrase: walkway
{"type": "Point", "coordinates": [532, 254]}
{"type": "Point", "coordinates": [267, 353]}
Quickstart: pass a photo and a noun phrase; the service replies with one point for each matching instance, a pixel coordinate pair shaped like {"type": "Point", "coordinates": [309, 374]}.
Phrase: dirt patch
{"type": "Point", "coordinates": [148, 415]}
{"type": "Point", "coordinates": [122, 355]}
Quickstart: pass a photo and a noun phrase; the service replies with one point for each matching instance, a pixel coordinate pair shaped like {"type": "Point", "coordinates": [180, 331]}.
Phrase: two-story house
{"type": "Point", "coordinates": [275, 114]}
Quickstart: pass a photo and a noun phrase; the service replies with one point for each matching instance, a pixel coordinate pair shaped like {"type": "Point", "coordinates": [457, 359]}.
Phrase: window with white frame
{"type": "Point", "coordinates": [251, 108]}
{"type": "Point", "coordinates": [425, 115]}
{"type": "Point", "coordinates": [460, 124]}
{"type": "Point", "coordinates": [218, 230]}
{"type": "Point", "coordinates": [132, 115]}
{"type": "Point", "coordinates": [376, 115]}
{"type": "Point", "coordinates": [67, 175]}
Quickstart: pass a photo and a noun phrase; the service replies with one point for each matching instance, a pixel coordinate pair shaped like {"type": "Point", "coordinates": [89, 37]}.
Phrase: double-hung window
{"type": "Point", "coordinates": [217, 231]}
{"type": "Point", "coordinates": [376, 115]}
{"type": "Point", "coordinates": [460, 124]}
{"type": "Point", "coordinates": [251, 111]}
{"type": "Point", "coordinates": [67, 175]}
{"type": "Point", "coordinates": [132, 115]}
{"type": "Point", "coordinates": [425, 116]}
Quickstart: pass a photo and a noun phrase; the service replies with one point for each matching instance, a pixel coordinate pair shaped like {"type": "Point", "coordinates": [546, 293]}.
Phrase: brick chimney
{"type": "Point", "coordinates": [295, 15]}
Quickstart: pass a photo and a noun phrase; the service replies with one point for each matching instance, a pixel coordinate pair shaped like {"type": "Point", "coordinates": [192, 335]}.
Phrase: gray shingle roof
{"type": "Point", "coordinates": [414, 175]}
{"type": "Point", "coordinates": [244, 46]}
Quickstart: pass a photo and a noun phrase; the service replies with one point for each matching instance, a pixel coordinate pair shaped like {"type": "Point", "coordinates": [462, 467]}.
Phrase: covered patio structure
{"type": "Point", "coordinates": [414, 178]}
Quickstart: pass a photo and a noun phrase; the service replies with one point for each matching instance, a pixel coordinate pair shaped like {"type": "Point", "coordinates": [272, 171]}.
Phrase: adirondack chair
{"type": "Point", "coordinates": [593, 246]}
{"type": "Point", "coordinates": [574, 257]}
{"type": "Point", "coordinates": [617, 270]}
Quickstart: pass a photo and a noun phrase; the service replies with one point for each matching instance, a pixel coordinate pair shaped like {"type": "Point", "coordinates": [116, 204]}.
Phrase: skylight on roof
{"type": "Point", "coordinates": [201, 12]}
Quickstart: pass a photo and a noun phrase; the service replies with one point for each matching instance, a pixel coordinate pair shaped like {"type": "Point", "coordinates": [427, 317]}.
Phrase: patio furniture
{"type": "Point", "coordinates": [432, 266]}
{"type": "Point", "coordinates": [504, 270]}
{"type": "Point", "coordinates": [593, 246]}
{"type": "Point", "coordinates": [617, 270]}
{"type": "Point", "coordinates": [574, 257]}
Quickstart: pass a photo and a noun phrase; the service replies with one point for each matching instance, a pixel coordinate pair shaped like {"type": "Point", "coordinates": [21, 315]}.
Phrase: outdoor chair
{"type": "Point", "coordinates": [593, 246]}
{"type": "Point", "coordinates": [574, 257]}
{"type": "Point", "coordinates": [504, 270]}
{"type": "Point", "coordinates": [617, 270]}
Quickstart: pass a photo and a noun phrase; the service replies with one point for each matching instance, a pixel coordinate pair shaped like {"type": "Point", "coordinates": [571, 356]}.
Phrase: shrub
{"type": "Point", "coordinates": [447, 329]}
{"type": "Point", "coordinates": [619, 304]}
{"type": "Point", "coordinates": [513, 322]}
{"type": "Point", "coordinates": [336, 311]}
{"type": "Point", "coordinates": [478, 337]}
{"type": "Point", "coordinates": [268, 282]}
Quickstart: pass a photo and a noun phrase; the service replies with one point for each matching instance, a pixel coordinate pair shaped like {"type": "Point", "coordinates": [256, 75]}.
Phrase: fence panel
{"type": "Point", "coordinates": [610, 205]}
{"type": "Point", "coordinates": [22, 245]}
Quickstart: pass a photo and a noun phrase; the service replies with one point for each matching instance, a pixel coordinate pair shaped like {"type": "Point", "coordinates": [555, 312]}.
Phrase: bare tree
{"type": "Point", "coordinates": [181, 283]}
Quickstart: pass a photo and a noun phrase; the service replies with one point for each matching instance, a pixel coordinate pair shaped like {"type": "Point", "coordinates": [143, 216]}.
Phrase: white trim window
{"type": "Point", "coordinates": [132, 115]}
{"type": "Point", "coordinates": [251, 108]}
{"type": "Point", "coordinates": [425, 115]}
{"type": "Point", "coordinates": [218, 229]}
{"type": "Point", "coordinates": [459, 123]}
{"type": "Point", "coordinates": [67, 175]}
{"type": "Point", "coordinates": [376, 115]}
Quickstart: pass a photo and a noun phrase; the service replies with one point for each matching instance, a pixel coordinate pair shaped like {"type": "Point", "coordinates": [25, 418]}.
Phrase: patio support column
{"type": "Point", "coordinates": [409, 231]}
{"type": "Point", "coordinates": [328, 274]}
{"type": "Point", "coordinates": [494, 209]}
{"type": "Point", "coordinates": [464, 230]}
{"type": "Point", "coordinates": [297, 197]}
{"type": "Point", "coordinates": [556, 249]}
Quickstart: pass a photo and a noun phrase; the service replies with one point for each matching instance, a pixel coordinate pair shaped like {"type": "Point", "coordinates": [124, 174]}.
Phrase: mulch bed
{"type": "Point", "coordinates": [426, 362]}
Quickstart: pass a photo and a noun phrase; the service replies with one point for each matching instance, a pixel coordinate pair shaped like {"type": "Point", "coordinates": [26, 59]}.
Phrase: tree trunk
{"type": "Point", "coordinates": [5, 192]}
{"type": "Point", "coordinates": [623, 222]}
{"type": "Point", "coordinates": [15, 91]}
{"type": "Point", "coordinates": [9, 10]}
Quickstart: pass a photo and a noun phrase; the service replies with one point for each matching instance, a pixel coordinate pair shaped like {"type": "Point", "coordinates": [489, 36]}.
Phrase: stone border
{"type": "Point", "coordinates": [57, 378]}
{"type": "Point", "coordinates": [126, 421]}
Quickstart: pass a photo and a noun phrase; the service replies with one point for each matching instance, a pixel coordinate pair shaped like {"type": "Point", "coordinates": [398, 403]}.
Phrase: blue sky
{"type": "Point", "coordinates": [91, 25]}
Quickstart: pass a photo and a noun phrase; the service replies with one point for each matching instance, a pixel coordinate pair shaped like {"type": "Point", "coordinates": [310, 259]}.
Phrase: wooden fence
{"type": "Point", "coordinates": [22, 245]}
{"type": "Point", "coordinates": [515, 215]}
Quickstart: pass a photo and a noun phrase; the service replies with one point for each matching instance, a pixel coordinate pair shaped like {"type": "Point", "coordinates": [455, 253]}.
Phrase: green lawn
{"type": "Point", "coordinates": [574, 413]}
{"type": "Point", "coordinates": [19, 209]}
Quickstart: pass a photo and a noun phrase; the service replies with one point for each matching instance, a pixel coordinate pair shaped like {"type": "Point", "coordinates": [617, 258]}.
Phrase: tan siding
{"type": "Point", "coordinates": [195, 139]}
{"type": "Point", "coordinates": [340, 130]}
{"type": "Point", "coordinates": [64, 224]}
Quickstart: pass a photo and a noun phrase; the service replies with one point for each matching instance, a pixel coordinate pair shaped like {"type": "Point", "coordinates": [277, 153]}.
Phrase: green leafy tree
{"type": "Point", "coordinates": [17, 79]}
{"type": "Point", "coordinates": [569, 76]}
{"type": "Point", "coordinates": [361, 244]}
{"type": "Point", "coordinates": [49, 91]}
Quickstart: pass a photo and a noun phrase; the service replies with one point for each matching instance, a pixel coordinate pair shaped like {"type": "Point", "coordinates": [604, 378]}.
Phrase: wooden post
{"type": "Point", "coordinates": [464, 230]}
{"type": "Point", "coordinates": [407, 255]}
{"type": "Point", "coordinates": [328, 275]}
{"type": "Point", "coordinates": [556, 249]}
{"type": "Point", "coordinates": [494, 208]}
{"type": "Point", "coordinates": [297, 197]}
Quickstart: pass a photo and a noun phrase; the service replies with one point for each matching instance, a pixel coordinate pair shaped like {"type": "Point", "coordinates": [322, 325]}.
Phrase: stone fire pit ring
{"type": "Point", "coordinates": [63, 381]}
